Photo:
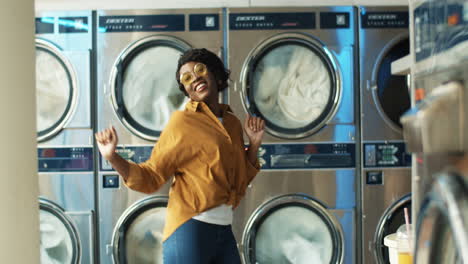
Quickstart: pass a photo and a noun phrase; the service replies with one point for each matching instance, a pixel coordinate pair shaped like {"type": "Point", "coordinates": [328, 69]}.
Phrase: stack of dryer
{"type": "Point", "coordinates": [137, 54]}
{"type": "Point", "coordinates": [386, 167]}
{"type": "Point", "coordinates": [65, 150]}
{"type": "Point", "coordinates": [295, 67]}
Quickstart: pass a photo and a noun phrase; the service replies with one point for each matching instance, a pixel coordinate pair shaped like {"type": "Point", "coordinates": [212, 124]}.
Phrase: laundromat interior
{"type": "Point", "coordinates": [364, 158]}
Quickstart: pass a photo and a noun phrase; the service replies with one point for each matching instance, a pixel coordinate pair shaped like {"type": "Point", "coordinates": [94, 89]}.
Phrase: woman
{"type": "Point", "coordinates": [203, 148]}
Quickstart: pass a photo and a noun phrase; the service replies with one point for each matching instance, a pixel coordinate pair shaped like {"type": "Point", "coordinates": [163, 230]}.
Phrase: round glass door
{"type": "Point", "coordinates": [293, 229]}
{"type": "Point", "coordinates": [145, 91]}
{"type": "Point", "coordinates": [56, 90]}
{"type": "Point", "coordinates": [390, 221]}
{"type": "Point", "coordinates": [138, 236]}
{"type": "Point", "coordinates": [59, 241]}
{"type": "Point", "coordinates": [442, 225]}
{"type": "Point", "coordinates": [293, 83]}
{"type": "Point", "coordinates": [392, 91]}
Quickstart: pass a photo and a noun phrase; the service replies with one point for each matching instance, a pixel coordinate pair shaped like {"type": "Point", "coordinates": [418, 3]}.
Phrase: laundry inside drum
{"type": "Point", "coordinates": [56, 243]}
{"type": "Point", "coordinates": [291, 86]}
{"type": "Point", "coordinates": [53, 89]}
{"type": "Point", "coordinates": [293, 234]}
{"type": "Point", "coordinates": [150, 91]}
{"type": "Point", "coordinates": [144, 237]}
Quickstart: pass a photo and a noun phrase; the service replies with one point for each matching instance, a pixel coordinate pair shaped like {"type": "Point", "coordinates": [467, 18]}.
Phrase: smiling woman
{"type": "Point", "coordinates": [211, 174]}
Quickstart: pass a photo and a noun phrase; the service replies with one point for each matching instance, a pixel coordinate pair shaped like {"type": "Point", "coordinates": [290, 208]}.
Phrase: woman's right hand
{"type": "Point", "coordinates": [107, 140]}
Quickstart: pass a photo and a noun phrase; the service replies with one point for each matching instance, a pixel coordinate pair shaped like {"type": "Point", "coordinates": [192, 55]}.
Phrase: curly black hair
{"type": "Point", "coordinates": [212, 62]}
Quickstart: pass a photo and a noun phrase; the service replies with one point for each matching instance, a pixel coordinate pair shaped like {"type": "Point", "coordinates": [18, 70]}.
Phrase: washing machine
{"type": "Point", "coordinates": [386, 166]}
{"type": "Point", "coordinates": [67, 205]}
{"type": "Point", "coordinates": [64, 134]}
{"type": "Point", "coordinates": [295, 68]}
{"type": "Point", "coordinates": [137, 54]}
{"type": "Point", "coordinates": [63, 78]}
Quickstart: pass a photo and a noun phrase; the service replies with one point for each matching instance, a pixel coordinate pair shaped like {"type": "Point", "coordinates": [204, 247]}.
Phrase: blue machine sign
{"type": "Point", "coordinates": [76, 159]}
{"type": "Point", "coordinates": [142, 23]}
{"type": "Point", "coordinates": [44, 25]}
{"type": "Point", "coordinates": [134, 154]}
{"type": "Point", "coordinates": [254, 21]}
{"type": "Point", "coordinates": [384, 19]}
{"type": "Point", "coordinates": [73, 25]}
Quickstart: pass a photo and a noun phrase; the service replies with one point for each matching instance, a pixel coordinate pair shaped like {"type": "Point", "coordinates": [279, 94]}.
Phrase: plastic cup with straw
{"type": "Point", "coordinates": [405, 255]}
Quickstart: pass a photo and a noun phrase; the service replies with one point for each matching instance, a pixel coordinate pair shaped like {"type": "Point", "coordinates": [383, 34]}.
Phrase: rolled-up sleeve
{"type": "Point", "coordinates": [149, 176]}
{"type": "Point", "coordinates": [251, 169]}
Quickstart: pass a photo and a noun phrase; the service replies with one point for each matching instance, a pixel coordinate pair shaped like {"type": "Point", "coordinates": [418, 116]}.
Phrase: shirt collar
{"type": "Point", "coordinates": [194, 106]}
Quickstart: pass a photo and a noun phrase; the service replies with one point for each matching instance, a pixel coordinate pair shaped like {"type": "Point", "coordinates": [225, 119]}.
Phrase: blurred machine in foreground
{"type": "Point", "coordinates": [435, 130]}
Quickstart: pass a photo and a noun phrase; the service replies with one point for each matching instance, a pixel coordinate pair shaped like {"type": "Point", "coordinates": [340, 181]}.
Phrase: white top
{"type": "Point", "coordinates": [221, 215]}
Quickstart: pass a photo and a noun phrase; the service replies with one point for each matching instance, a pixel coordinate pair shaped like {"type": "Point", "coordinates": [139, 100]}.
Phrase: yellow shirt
{"type": "Point", "coordinates": [208, 161]}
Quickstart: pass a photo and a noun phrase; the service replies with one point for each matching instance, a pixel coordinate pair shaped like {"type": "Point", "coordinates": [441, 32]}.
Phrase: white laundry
{"type": "Point", "coordinates": [298, 250]}
{"type": "Point", "coordinates": [305, 89]}
{"type": "Point", "coordinates": [150, 90]}
{"type": "Point", "coordinates": [52, 89]}
{"type": "Point", "coordinates": [293, 235]}
{"type": "Point", "coordinates": [56, 244]}
{"type": "Point", "coordinates": [292, 86]}
{"type": "Point", "coordinates": [144, 237]}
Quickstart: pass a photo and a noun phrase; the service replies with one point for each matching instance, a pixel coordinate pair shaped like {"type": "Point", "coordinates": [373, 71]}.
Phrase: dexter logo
{"type": "Point", "coordinates": [250, 18]}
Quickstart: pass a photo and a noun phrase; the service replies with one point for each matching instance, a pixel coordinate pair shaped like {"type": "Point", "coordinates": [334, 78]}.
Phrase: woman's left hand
{"type": "Point", "coordinates": [254, 128]}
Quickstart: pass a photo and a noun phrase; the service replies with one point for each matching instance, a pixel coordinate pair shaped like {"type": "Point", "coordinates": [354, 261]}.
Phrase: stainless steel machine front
{"type": "Point", "coordinates": [295, 68]}
{"type": "Point", "coordinates": [67, 205]}
{"type": "Point", "coordinates": [385, 173]}
{"type": "Point", "coordinates": [64, 133]}
{"type": "Point", "coordinates": [63, 78]}
{"type": "Point", "coordinates": [137, 54]}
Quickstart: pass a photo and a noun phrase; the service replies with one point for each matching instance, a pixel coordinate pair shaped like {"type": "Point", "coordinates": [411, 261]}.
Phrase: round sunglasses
{"type": "Point", "coordinates": [188, 78]}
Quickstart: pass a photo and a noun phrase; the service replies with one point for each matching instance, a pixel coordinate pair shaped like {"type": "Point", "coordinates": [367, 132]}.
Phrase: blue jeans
{"type": "Point", "coordinates": [197, 242]}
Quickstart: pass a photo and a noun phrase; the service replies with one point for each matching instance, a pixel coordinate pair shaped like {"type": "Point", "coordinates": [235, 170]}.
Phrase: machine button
{"type": "Point", "coordinates": [111, 181]}
{"type": "Point", "coordinates": [374, 177]}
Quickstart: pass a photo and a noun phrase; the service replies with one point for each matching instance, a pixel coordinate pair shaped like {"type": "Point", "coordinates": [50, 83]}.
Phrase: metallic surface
{"type": "Point", "coordinates": [43, 44]}
{"type": "Point", "coordinates": [376, 199]}
{"type": "Point", "coordinates": [56, 210]}
{"type": "Point", "coordinates": [175, 41]}
{"type": "Point", "coordinates": [75, 49]}
{"type": "Point", "coordinates": [442, 225]}
{"type": "Point", "coordinates": [278, 201]}
{"type": "Point", "coordinates": [314, 45]}
{"type": "Point", "coordinates": [113, 203]}
{"type": "Point", "coordinates": [74, 193]}
{"type": "Point", "coordinates": [379, 235]}
{"type": "Point", "coordinates": [337, 45]}
{"type": "Point", "coordinates": [374, 43]}
{"type": "Point", "coordinates": [333, 188]}
{"type": "Point", "coordinates": [112, 47]}
{"type": "Point", "coordinates": [373, 46]}
{"type": "Point", "coordinates": [129, 212]}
